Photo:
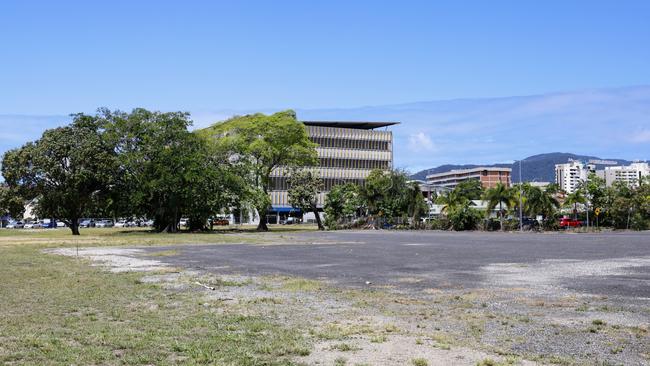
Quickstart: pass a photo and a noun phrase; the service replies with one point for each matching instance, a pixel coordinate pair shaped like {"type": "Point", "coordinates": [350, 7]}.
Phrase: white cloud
{"type": "Point", "coordinates": [641, 137]}
{"type": "Point", "coordinates": [421, 141]}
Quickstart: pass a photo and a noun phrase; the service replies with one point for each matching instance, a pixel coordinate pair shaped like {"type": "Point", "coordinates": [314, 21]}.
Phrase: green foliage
{"type": "Point", "coordinates": [69, 170]}
{"type": "Point", "coordinates": [464, 217]}
{"type": "Point", "coordinates": [343, 201]}
{"type": "Point", "coordinates": [167, 171]}
{"type": "Point", "coordinates": [10, 202]}
{"type": "Point", "coordinates": [304, 187]}
{"type": "Point", "coordinates": [500, 196]}
{"type": "Point", "coordinates": [257, 144]}
{"type": "Point", "coordinates": [387, 195]}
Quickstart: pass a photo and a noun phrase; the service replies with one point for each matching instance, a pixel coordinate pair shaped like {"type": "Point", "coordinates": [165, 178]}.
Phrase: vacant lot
{"type": "Point", "coordinates": [336, 298]}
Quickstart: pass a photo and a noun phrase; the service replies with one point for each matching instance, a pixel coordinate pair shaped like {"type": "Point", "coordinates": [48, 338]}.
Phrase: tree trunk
{"type": "Point", "coordinates": [261, 211]}
{"type": "Point", "coordinates": [318, 221]}
{"type": "Point", "coordinates": [501, 216]}
{"type": "Point", "coordinates": [74, 226]}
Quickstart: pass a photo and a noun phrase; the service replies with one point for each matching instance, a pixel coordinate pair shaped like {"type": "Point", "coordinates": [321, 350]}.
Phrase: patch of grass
{"type": "Point", "coordinates": [58, 310]}
{"type": "Point", "coordinates": [487, 362]}
{"type": "Point", "coordinates": [266, 300]}
{"type": "Point", "coordinates": [164, 253]}
{"type": "Point", "coordinates": [301, 285]}
{"type": "Point", "coordinates": [378, 339]}
{"type": "Point", "coordinates": [344, 347]}
{"type": "Point", "coordinates": [419, 362]}
{"type": "Point", "coordinates": [598, 322]}
{"type": "Point", "coordinates": [340, 361]}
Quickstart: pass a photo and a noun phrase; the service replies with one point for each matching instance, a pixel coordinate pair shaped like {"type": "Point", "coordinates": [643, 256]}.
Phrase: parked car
{"type": "Point", "coordinates": [16, 225]}
{"type": "Point", "coordinates": [104, 223]}
{"type": "Point", "coordinates": [33, 225]}
{"type": "Point", "coordinates": [528, 223]}
{"type": "Point", "coordinates": [184, 222]}
{"type": "Point", "coordinates": [566, 222]}
{"type": "Point", "coordinates": [124, 223]}
{"type": "Point", "coordinates": [60, 224]}
{"type": "Point", "coordinates": [87, 223]}
{"type": "Point", "coordinates": [220, 222]}
{"type": "Point", "coordinates": [148, 223]}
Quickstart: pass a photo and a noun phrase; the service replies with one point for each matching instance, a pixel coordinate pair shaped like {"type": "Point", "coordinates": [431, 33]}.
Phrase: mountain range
{"type": "Point", "coordinates": [536, 168]}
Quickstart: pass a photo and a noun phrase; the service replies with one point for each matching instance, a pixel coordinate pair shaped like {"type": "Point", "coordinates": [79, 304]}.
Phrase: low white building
{"type": "Point", "coordinates": [569, 175]}
{"type": "Point", "coordinates": [631, 174]}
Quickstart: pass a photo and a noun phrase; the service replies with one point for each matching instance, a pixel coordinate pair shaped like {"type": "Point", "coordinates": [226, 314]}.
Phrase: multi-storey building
{"type": "Point", "coordinates": [488, 176]}
{"type": "Point", "coordinates": [347, 153]}
{"type": "Point", "coordinates": [631, 174]}
{"type": "Point", "coordinates": [569, 176]}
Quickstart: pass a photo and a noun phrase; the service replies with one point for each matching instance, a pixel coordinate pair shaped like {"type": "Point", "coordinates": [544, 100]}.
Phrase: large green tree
{"type": "Point", "coordinates": [304, 187]}
{"type": "Point", "coordinates": [260, 144]}
{"type": "Point", "coordinates": [68, 170]}
{"type": "Point", "coordinates": [167, 171]}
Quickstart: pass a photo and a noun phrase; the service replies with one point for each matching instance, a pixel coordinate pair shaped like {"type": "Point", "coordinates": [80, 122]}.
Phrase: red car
{"type": "Point", "coordinates": [566, 222]}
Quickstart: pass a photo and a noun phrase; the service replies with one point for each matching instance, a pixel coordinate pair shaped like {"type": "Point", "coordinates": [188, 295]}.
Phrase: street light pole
{"type": "Point", "coordinates": [521, 216]}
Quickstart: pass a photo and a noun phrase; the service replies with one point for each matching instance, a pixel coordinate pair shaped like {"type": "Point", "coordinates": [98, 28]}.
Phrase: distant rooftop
{"type": "Point", "coordinates": [355, 125]}
{"type": "Point", "coordinates": [468, 171]}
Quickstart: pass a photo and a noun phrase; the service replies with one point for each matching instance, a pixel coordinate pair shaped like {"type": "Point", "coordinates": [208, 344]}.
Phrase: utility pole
{"type": "Point", "coordinates": [521, 216]}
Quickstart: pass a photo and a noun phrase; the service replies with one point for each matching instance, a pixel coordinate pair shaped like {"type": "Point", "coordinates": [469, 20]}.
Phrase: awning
{"type": "Point", "coordinates": [284, 209]}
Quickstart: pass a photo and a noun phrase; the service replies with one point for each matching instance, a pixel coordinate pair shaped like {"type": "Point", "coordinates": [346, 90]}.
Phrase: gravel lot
{"type": "Point", "coordinates": [449, 298]}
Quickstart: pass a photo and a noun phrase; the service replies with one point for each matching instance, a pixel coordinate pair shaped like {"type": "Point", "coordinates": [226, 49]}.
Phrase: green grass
{"type": "Point", "coordinates": [142, 236]}
{"type": "Point", "coordinates": [60, 310]}
{"type": "Point", "coordinates": [419, 362]}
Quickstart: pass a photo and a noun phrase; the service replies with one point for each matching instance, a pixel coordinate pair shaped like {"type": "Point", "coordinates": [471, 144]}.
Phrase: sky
{"type": "Point", "coordinates": [215, 57]}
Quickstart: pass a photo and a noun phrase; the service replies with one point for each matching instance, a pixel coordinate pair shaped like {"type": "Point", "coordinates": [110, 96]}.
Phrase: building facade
{"type": "Point", "coordinates": [569, 176]}
{"type": "Point", "coordinates": [488, 176]}
{"type": "Point", "coordinates": [347, 153]}
{"type": "Point", "coordinates": [630, 175]}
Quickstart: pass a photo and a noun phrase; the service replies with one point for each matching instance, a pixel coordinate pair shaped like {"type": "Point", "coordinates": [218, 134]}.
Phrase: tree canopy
{"type": "Point", "coordinates": [68, 170]}
{"type": "Point", "coordinates": [260, 144]}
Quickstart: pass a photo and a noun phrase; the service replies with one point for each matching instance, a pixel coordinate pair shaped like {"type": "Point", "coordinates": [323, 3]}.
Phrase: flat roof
{"type": "Point", "coordinates": [350, 124]}
{"type": "Point", "coordinates": [469, 170]}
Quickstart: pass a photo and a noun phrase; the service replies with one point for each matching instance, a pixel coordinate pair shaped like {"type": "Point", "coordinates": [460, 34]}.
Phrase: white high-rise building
{"type": "Point", "coordinates": [631, 174]}
{"type": "Point", "coordinates": [569, 175]}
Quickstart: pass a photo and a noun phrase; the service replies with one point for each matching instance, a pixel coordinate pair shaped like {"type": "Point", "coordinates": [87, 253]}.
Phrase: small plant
{"type": "Point", "coordinates": [419, 362]}
{"type": "Point", "coordinates": [486, 362]}
{"type": "Point", "coordinates": [598, 322]}
{"type": "Point", "coordinates": [378, 339]}
{"type": "Point", "coordinates": [340, 361]}
{"type": "Point", "coordinates": [344, 347]}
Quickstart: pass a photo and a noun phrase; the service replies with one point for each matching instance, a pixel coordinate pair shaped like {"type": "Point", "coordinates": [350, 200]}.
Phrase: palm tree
{"type": "Point", "coordinates": [499, 195]}
{"type": "Point", "coordinates": [416, 206]}
{"type": "Point", "coordinates": [539, 201]}
{"type": "Point", "coordinates": [574, 198]}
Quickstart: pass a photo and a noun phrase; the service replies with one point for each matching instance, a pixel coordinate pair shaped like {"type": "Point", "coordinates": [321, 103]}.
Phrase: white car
{"type": "Point", "coordinates": [15, 225]}
{"type": "Point", "coordinates": [104, 223]}
{"type": "Point", "coordinates": [60, 224]}
{"type": "Point", "coordinates": [184, 222]}
{"type": "Point", "coordinates": [124, 223]}
{"type": "Point", "coordinates": [33, 225]}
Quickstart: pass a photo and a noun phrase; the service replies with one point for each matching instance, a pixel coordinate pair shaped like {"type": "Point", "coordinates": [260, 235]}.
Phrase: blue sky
{"type": "Point", "coordinates": [213, 57]}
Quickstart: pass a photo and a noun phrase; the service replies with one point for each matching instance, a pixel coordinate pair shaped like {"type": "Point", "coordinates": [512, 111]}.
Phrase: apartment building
{"type": "Point", "coordinates": [631, 174]}
{"type": "Point", "coordinates": [347, 153]}
{"type": "Point", "coordinates": [570, 175]}
{"type": "Point", "coordinates": [488, 176]}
